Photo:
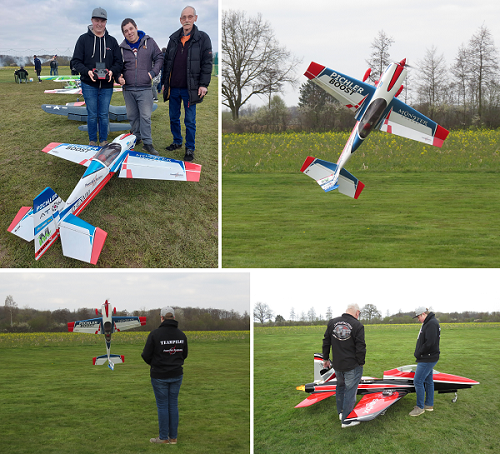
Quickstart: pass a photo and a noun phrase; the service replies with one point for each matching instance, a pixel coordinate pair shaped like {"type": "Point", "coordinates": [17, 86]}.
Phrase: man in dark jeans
{"type": "Point", "coordinates": [346, 337]}
{"type": "Point", "coordinates": [165, 351]}
{"type": "Point", "coordinates": [187, 70]}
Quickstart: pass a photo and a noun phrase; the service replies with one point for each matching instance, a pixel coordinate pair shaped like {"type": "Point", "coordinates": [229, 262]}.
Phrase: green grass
{"type": "Point", "coordinates": [421, 207]}
{"type": "Point", "coordinates": [470, 425]}
{"type": "Point", "coordinates": [149, 223]}
{"type": "Point", "coordinates": [54, 400]}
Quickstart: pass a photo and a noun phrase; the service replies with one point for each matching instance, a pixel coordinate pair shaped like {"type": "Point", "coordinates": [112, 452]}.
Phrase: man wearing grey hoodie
{"type": "Point", "coordinates": [142, 62]}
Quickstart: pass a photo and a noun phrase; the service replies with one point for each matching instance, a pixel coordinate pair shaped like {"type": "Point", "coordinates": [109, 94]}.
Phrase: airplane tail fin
{"type": "Point", "coordinates": [46, 206]}
{"type": "Point", "coordinates": [320, 373]}
{"type": "Point", "coordinates": [80, 240]}
{"type": "Point", "coordinates": [325, 172]}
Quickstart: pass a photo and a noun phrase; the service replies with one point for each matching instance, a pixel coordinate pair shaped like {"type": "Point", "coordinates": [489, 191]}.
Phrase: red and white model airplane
{"type": "Point", "coordinates": [375, 107]}
{"type": "Point", "coordinates": [378, 393]}
{"type": "Point", "coordinates": [51, 216]}
{"type": "Point", "coordinates": [107, 324]}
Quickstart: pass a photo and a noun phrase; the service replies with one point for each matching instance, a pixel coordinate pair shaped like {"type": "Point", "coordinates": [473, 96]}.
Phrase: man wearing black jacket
{"type": "Point", "coordinates": [346, 337]}
{"type": "Point", "coordinates": [187, 70]}
{"type": "Point", "coordinates": [165, 351]}
{"type": "Point", "coordinates": [97, 59]}
{"type": "Point", "coordinates": [427, 356]}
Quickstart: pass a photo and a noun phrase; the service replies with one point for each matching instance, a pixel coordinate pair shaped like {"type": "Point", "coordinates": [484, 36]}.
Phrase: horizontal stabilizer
{"type": "Point", "coordinates": [115, 359]}
{"type": "Point", "coordinates": [314, 398]}
{"type": "Point", "coordinates": [80, 240]}
{"type": "Point", "coordinates": [146, 166]}
{"type": "Point", "coordinates": [324, 172]}
{"type": "Point", "coordinates": [22, 225]}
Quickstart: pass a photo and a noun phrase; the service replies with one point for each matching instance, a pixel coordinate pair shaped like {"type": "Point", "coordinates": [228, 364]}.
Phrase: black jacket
{"type": "Point", "coordinates": [165, 350]}
{"type": "Point", "coordinates": [199, 63]}
{"type": "Point", "coordinates": [89, 50]}
{"type": "Point", "coordinates": [427, 349]}
{"type": "Point", "coordinates": [346, 336]}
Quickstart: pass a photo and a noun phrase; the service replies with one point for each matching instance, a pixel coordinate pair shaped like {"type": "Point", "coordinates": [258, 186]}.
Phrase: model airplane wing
{"type": "Point", "coordinates": [314, 398]}
{"type": "Point", "coordinates": [124, 323]}
{"type": "Point", "coordinates": [405, 121]}
{"type": "Point", "coordinates": [80, 154]}
{"type": "Point", "coordinates": [92, 325]}
{"type": "Point", "coordinates": [372, 405]}
{"type": "Point", "coordinates": [347, 90]}
{"type": "Point", "coordinates": [146, 166]}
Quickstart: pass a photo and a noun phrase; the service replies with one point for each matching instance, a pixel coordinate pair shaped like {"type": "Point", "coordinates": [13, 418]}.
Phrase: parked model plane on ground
{"type": "Point", "coordinates": [378, 394]}
{"type": "Point", "coordinates": [51, 217]}
{"type": "Point", "coordinates": [107, 324]}
{"type": "Point", "coordinates": [375, 107]}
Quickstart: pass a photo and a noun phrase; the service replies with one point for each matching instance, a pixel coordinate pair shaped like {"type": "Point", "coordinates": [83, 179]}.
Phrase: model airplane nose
{"type": "Point", "coordinates": [403, 62]}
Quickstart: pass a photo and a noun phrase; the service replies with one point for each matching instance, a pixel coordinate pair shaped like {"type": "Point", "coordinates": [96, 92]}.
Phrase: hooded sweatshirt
{"type": "Point", "coordinates": [427, 348]}
{"type": "Point", "coordinates": [91, 49]}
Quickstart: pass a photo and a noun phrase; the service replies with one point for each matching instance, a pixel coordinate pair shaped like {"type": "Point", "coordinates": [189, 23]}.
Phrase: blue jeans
{"type": "Point", "coordinates": [97, 101]}
{"type": "Point", "coordinates": [177, 97]}
{"type": "Point", "coordinates": [424, 384]}
{"type": "Point", "coordinates": [167, 393]}
{"type": "Point", "coordinates": [347, 387]}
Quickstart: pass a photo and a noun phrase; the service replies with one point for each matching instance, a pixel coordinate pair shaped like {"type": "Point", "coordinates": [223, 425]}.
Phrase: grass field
{"type": "Point", "coordinates": [471, 425]}
{"type": "Point", "coordinates": [53, 400]}
{"type": "Point", "coordinates": [149, 223]}
{"type": "Point", "coordinates": [422, 206]}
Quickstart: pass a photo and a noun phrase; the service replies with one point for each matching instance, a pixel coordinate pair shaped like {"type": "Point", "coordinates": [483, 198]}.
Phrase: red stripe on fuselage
{"type": "Point", "coordinates": [93, 194]}
{"type": "Point", "coordinates": [397, 73]}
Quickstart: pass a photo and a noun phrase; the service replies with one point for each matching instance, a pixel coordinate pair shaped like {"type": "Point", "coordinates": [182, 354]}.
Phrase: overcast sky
{"type": "Point", "coordinates": [127, 290]}
{"type": "Point", "coordinates": [339, 34]}
{"type": "Point", "coordinates": [32, 27]}
{"type": "Point", "coordinates": [456, 290]}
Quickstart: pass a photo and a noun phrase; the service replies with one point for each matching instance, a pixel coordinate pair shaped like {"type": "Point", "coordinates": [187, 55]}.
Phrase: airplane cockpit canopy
{"type": "Point", "coordinates": [108, 153]}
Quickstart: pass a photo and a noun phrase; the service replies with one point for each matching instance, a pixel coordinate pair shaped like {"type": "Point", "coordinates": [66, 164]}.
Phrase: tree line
{"type": "Point", "coordinates": [264, 315]}
{"type": "Point", "coordinates": [462, 94]}
{"type": "Point", "coordinates": [14, 319]}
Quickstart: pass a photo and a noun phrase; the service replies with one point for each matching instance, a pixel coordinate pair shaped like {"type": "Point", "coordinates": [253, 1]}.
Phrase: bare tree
{"type": "Point", "coordinates": [432, 85]}
{"type": "Point", "coordinates": [253, 63]}
{"type": "Point", "coordinates": [462, 73]}
{"type": "Point", "coordinates": [262, 312]}
{"type": "Point", "coordinates": [11, 306]}
{"type": "Point", "coordinates": [483, 57]}
{"type": "Point", "coordinates": [370, 312]}
{"type": "Point", "coordinates": [380, 57]}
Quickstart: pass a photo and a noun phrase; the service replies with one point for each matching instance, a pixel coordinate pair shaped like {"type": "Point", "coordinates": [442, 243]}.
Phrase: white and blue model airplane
{"type": "Point", "coordinates": [51, 217]}
{"type": "Point", "coordinates": [107, 324]}
{"type": "Point", "coordinates": [376, 108]}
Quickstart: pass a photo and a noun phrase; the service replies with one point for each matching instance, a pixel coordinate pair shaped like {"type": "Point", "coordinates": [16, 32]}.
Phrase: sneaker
{"type": "Point", "coordinates": [350, 424]}
{"type": "Point", "coordinates": [417, 411]}
{"type": "Point", "coordinates": [172, 441]}
{"type": "Point", "coordinates": [428, 408]}
{"type": "Point", "coordinates": [148, 148]}
{"type": "Point", "coordinates": [189, 155]}
{"type": "Point", "coordinates": [103, 143]}
{"type": "Point", "coordinates": [158, 440]}
{"type": "Point", "coordinates": [173, 146]}
{"type": "Point", "coordinates": [92, 143]}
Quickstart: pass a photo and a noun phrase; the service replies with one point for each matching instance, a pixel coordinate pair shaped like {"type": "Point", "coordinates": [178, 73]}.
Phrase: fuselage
{"type": "Point", "coordinates": [370, 115]}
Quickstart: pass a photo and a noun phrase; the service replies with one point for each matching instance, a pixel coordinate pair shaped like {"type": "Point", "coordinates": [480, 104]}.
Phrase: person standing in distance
{"type": "Point", "coordinates": [142, 62]}
{"type": "Point", "coordinates": [38, 67]}
{"type": "Point", "coordinates": [345, 335]}
{"type": "Point", "coordinates": [427, 355]}
{"type": "Point", "coordinates": [187, 70]}
{"type": "Point", "coordinates": [97, 58]}
{"type": "Point", "coordinates": [165, 351]}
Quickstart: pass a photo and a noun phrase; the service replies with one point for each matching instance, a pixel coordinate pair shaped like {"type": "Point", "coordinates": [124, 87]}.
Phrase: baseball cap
{"type": "Point", "coordinates": [167, 310]}
{"type": "Point", "coordinates": [100, 13]}
{"type": "Point", "coordinates": [419, 310]}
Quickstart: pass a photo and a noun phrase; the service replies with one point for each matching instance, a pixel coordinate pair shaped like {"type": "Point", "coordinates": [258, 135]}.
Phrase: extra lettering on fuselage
{"type": "Point", "coordinates": [345, 84]}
